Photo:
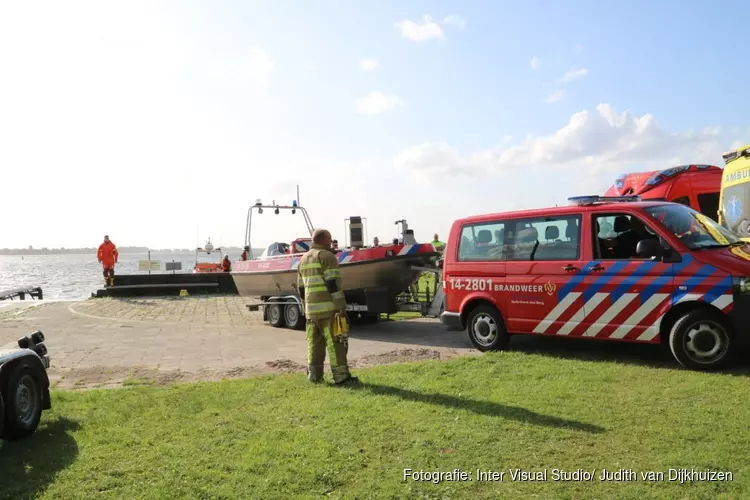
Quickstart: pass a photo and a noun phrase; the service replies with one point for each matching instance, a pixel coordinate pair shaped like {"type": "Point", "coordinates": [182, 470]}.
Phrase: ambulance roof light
{"type": "Point", "coordinates": [590, 200]}
{"type": "Point", "coordinates": [737, 153]}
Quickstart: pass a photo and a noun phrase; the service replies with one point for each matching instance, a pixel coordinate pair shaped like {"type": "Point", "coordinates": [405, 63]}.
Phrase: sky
{"type": "Point", "coordinates": [161, 123]}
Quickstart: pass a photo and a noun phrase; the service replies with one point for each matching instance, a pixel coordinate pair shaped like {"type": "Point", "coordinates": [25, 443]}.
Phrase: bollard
{"type": "Point", "coordinates": [183, 293]}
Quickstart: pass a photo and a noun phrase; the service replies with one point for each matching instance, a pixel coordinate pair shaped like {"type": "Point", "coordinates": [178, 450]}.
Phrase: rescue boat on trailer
{"type": "Point", "coordinates": [371, 277]}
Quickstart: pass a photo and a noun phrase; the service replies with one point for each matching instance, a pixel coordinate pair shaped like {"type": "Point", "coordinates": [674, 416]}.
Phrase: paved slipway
{"type": "Point", "coordinates": [108, 342]}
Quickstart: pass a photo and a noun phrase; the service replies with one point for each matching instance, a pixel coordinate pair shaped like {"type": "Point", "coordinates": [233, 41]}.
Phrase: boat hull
{"type": "Point", "coordinates": [390, 267]}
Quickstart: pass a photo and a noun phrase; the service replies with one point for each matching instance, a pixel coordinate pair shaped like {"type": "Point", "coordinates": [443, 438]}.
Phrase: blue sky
{"type": "Point", "coordinates": [121, 117]}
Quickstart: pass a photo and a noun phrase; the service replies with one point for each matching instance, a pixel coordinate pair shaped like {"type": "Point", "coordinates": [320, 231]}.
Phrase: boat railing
{"type": "Point", "coordinates": [259, 207]}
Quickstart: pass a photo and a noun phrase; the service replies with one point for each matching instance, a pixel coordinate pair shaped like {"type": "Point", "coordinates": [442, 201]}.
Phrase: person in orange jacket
{"type": "Point", "coordinates": [107, 256]}
{"type": "Point", "coordinates": [226, 264]}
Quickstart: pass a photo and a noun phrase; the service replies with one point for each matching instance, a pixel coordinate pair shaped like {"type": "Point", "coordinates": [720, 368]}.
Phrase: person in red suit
{"type": "Point", "coordinates": [107, 256]}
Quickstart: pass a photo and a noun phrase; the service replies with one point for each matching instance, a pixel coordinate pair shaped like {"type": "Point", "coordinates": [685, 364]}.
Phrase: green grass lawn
{"type": "Point", "coordinates": [281, 437]}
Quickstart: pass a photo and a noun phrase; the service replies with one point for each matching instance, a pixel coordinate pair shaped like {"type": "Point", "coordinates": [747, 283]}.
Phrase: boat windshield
{"type": "Point", "coordinates": [275, 249]}
{"type": "Point", "coordinates": [694, 229]}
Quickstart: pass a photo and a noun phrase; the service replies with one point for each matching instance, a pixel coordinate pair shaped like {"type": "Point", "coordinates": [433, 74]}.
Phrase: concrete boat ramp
{"type": "Point", "coordinates": [109, 342]}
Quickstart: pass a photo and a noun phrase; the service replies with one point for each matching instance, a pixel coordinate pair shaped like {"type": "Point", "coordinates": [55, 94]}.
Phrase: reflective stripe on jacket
{"type": "Point", "coordinates": [317, 266]}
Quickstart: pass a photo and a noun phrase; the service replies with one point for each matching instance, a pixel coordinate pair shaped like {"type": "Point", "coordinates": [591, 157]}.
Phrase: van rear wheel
{"type": "Point", "coordinates": [486, 329]}
{"type": "Point", "coordinates": [701, 340]}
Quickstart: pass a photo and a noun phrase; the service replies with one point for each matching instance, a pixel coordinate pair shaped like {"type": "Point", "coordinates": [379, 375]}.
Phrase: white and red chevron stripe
{"type": "Point", "coordinates": [625, 319]}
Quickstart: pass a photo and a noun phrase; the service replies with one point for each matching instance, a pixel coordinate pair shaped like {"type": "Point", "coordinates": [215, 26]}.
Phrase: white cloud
{"type": "Point", "coordinates": [573, 74]}
{"type": "Point", "coordinates": [256, 67]}
{"type": "Point", "coordinates": [376, 103]}
{"type": "Point", "coordinates": [591, 144]}
{"type": "Point", "coordinates": [420, 32]}
{"type": "Point", "coordinates": [310, 68]}
{"type": "Point", "coordinates": [534, 63]}
{"type": "Point", "coordinates": [455, 21]}
{"type": "Point", "coordinates": [556, 96]}
{"type": "Point", "coordinates": [368, 64]}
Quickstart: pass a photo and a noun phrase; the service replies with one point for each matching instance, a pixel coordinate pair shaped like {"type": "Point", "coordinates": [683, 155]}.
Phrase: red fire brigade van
{"type": "Point", "coordinates": [665, 274]}
{"type": "Point", "coordinates": [697, 186]}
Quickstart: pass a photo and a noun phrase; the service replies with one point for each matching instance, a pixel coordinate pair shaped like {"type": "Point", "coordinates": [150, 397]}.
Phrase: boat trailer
{"type": "Point", "coordinates": [288, 310]}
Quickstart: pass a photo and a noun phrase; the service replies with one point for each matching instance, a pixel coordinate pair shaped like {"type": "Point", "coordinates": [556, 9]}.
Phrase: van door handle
{"type": "Point", "coordinates": [597, 267]}
{"type": "Point", "coordinates": [570, 268]}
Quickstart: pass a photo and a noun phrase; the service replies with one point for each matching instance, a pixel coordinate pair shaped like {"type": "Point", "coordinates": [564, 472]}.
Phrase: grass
{"type": "Point", "coordinates": [281, 437]}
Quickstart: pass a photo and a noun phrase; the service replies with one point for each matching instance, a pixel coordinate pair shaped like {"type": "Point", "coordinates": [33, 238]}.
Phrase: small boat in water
{"type": "Point", "coordinates": [207, 267]}
{"type": "Point", "coordinates": [388, 269]}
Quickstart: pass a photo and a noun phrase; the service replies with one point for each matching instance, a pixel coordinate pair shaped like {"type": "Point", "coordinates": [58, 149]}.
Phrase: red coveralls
{"type": "Point", "coordinates": [107, 255]}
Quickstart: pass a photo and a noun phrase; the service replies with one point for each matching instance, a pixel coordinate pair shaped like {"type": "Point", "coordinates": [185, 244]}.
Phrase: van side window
{"type": "Point", "coordinates": [545, 238]}
{"type": "Point", "coordinates": [482, 242]}
{"type": "Point", "coordinates": [682, 200]}
{"type": "Point", "coordinates": [709, 203]}
{"type": "Point", "coordinates": [617, 236]}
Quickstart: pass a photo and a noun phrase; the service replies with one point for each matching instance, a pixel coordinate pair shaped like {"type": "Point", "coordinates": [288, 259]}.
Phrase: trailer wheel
{"type": "Point", "coordinates": [486, 329]}
{"type": "Point", "coordinates": [276, 315]}
{"type": "Point", "coordinates": [293, 317]}
{"type": "Point", "coordinates": [23, 403]}
{"type": "Point", "coordinates": [701, 340]}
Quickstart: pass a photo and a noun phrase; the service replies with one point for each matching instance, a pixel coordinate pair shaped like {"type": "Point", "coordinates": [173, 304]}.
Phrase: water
{"type": "Point", "coordinates": [71, 277]}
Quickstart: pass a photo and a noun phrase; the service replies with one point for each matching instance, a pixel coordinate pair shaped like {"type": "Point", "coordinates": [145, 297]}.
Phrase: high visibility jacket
{"type": "Point", "coordinates": [107, 255]}
{"type": "Point", "coordinates": [319, 278]}
{"type": "Point", "coordinates": [439, 245]}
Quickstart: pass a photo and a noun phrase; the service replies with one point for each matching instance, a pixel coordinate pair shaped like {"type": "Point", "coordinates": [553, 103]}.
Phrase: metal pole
{"type": "Point", "coordinates": [149, 262]}
{"type": "Point", "coordinates": [298, 203]}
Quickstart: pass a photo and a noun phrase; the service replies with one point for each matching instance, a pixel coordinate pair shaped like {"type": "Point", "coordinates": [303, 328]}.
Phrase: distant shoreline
{"type": "Point", "coordinates": [89, 251]}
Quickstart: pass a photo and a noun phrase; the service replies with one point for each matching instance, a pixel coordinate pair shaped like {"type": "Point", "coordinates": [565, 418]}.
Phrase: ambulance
{"type": "Point", "coordinates": [735, 192]}
{"type": "Point", "coordinates": [697, 186]}
{"type": "Point", "coordinates": [665, 274]}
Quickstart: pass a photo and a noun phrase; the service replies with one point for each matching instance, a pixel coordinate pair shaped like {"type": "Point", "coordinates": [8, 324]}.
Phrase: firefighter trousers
{"type": "Point", "coordinates": [319, 340]}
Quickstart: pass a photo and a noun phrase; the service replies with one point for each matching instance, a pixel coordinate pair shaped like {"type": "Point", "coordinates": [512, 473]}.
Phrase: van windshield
{"type": "Point", "coordinates": [694, 229]}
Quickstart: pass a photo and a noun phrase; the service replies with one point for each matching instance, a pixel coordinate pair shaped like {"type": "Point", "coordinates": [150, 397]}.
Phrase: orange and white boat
{"type": "Point", "coordinates": [207, 267]}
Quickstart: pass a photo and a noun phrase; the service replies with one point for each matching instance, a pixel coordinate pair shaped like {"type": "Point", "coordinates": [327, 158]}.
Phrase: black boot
{"type": "Point", "coordinates": [349, 381]}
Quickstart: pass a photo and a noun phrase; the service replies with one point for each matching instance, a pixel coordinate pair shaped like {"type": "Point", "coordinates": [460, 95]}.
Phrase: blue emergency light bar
{"type": "Point", "coordinates": [590, 200]}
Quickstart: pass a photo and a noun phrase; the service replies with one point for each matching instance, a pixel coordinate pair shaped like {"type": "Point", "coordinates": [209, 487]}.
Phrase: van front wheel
{"type": "Point", "coordinates": [486, 329]}
{"type": "Point", "coordinates": [701, 340]}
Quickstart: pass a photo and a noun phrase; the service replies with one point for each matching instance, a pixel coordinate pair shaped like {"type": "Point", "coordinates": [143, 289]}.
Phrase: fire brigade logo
{"type": "Point", "coordinates": [550, 288]}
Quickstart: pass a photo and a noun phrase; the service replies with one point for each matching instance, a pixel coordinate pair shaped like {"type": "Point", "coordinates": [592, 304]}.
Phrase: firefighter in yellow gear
{"type": "Point", "coordinates": [319, 284]}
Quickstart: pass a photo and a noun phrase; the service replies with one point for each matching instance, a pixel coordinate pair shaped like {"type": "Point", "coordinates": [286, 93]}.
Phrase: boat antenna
{"type": "Point", "coordinates": [298, 203]}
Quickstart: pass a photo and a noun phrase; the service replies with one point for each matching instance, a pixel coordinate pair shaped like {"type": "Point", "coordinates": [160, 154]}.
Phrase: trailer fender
{"type": "Point", "coordinates": [30, 359]}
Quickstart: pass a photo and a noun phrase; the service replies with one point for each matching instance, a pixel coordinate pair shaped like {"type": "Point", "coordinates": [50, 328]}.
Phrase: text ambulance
{"type": "Point", "coordinates": [664, 274]}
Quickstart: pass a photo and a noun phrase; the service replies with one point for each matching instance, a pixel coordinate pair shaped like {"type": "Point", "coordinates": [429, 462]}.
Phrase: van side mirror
{"type": "Point", "coordinates": [650, 248]}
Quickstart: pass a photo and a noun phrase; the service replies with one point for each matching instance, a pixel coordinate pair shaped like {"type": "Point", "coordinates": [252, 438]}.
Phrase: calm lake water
{"type": "Point", "coordinates": [77, 276]}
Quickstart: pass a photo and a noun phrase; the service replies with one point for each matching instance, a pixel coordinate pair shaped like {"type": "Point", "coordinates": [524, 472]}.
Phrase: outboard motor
{"type": "Point", "coordinates": [409, 238]}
